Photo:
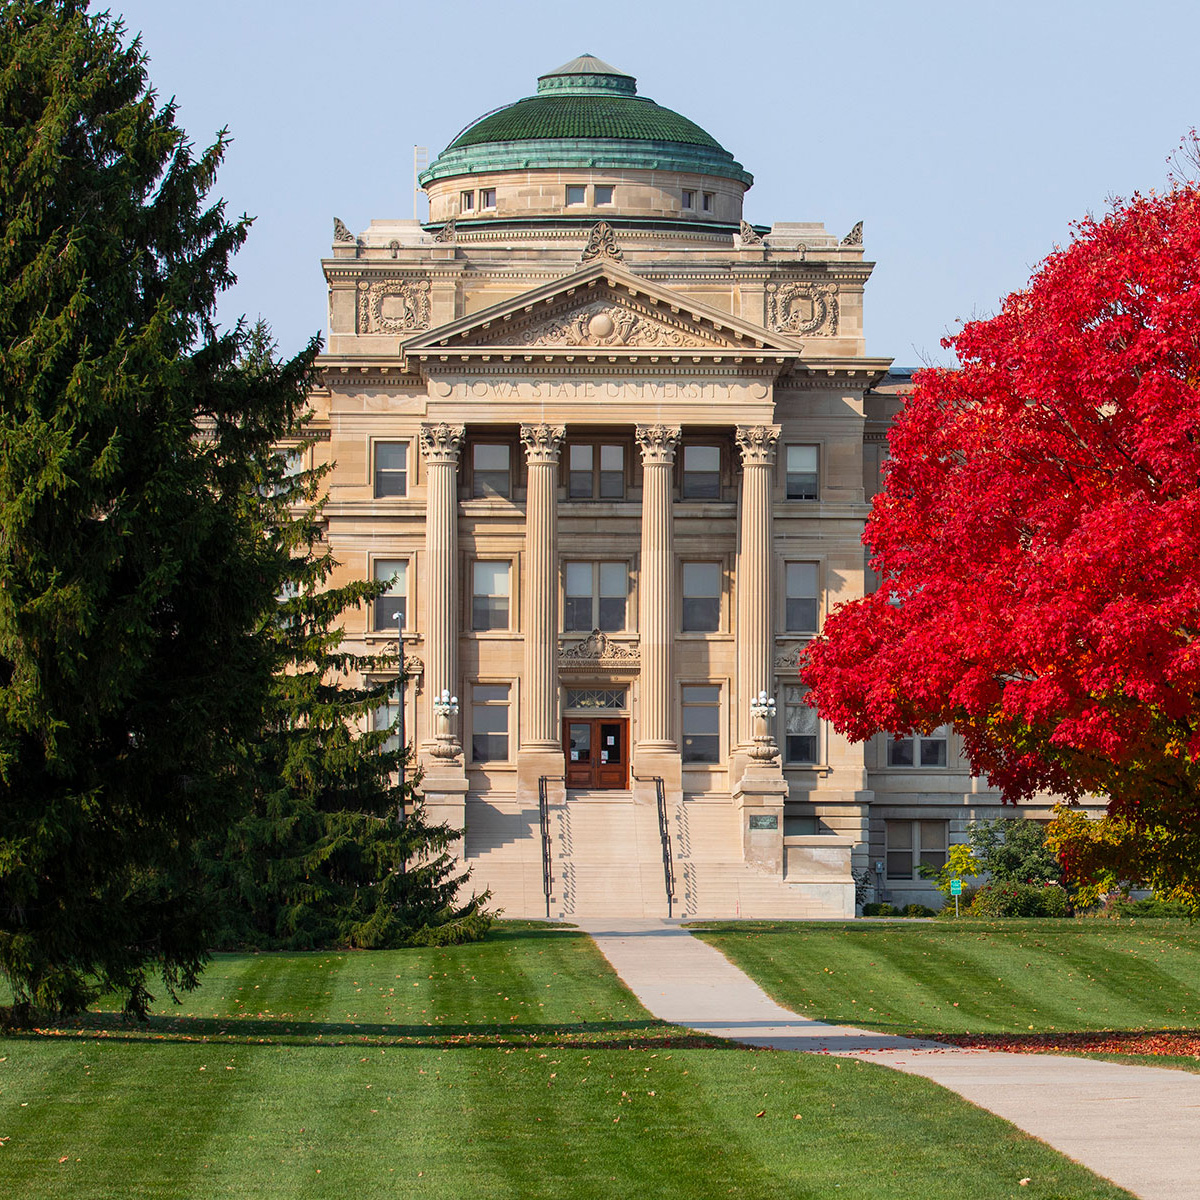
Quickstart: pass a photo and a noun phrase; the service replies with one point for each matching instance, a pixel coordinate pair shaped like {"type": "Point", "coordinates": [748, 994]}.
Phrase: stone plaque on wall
{"type": "Point", "coordinates": [393, 305]}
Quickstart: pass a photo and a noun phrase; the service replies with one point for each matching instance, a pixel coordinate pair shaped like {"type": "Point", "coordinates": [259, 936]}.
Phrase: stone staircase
{"type": "Point", "coordinates": [606, 861]}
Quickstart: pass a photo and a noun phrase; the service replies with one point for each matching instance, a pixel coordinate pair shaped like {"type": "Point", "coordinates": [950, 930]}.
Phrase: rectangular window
{"type": "Point", "coordinates": [491, 475]}
{"type": "Point", "coordinates": [701, 597]}
{"type": "Point", "coordinates": [701, 473]}
{"type": "Point", "coordinates": [489, 722]}
{"type": "Point", "coordinates": [707, 201]}
{"type": "Point", "coordinates": [595, 472]}
{"type": "Point", "coordinates": [801, 598]}
{"type": "Point", "coordinates": [595, 596]}
{"type": "Point", "coordinates": [603, 193]}
{"type": "Point", "coordinates": [387, 716]}
{"type": "Point", "coordinates": [689, 198]}
{"type": "Point", "coordinates": [701, 724]}
{"type": "Point", "coordinates": [391, 605]}
{"type": "Point", "coordinates": [391, 469]}
{"type": "Point", "coordinates": [802, 472]}
{"type": "Point", "coordinates": [576, 194]}
{"type": "Point", "coordinates": [490, 591]}
{"type": "Point", "coordinates": [487, 197]}
{"type": "Point", "coordinates": [920, 750]}
{"type": "Point", "coordinates": [912, 844]}
{"type": "Point", "coordinates": [466, 201]}
{"type": "Point", "coordinates": [800, 727]}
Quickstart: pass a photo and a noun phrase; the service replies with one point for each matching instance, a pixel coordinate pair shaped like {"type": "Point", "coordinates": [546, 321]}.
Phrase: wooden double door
{"type": "Point", "coordinates": [597, 752]}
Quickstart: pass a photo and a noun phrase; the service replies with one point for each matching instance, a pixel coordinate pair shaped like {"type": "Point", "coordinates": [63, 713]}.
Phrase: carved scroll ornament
{"type": "Point", "coordinates": [757, 444]}
{"type": "Point", "coordinates": [855, 236]}
{"type": "Point", "coordinates": [543, 442]}
{"type": "Point", "coordinates": [446, 233]}
{"type": "Point", "coordinates": [341, 233]}
{"type": "Point", "coordinates": [602, 243]}
{"type": "Point", "coordinates": [598, 648]}
{"type": "Point", "coordinates": [749, 235]}
{"type": "Point", "coordinates": [602, 323]}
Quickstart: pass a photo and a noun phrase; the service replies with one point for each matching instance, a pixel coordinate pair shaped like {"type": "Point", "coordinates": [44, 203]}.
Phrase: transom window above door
{"type": "Point", "coordinates": [595, 471]}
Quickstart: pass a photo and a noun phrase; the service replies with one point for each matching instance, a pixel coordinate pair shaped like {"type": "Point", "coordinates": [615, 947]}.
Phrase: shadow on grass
{"type": "Point", "coordinates": [582, 1035]}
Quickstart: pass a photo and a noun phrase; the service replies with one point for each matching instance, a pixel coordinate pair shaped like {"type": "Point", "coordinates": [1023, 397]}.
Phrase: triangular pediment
{"type": "Point", "coordinates": [604, 309]}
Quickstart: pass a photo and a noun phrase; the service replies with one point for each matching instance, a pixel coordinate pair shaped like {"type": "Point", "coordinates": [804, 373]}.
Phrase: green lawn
{"type": "Point", "coordinates": [1011, 976]}
{"type": "Point", "coordinates": [516, 1068]}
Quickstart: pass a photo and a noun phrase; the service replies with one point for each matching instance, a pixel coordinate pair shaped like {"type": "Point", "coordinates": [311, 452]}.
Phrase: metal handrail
{"type": "Point", "coordinates": [664, 835]}
{"type": "Point", "coordinates": [544, 820]}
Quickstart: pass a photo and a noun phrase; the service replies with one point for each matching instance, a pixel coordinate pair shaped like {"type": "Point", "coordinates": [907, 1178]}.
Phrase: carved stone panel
{"type": "Point", "coordinates": [802, 308]}
{"type": "Point", "coordinates": [605, 324]}
{"type": "Point", "coordinates": [393, 305]}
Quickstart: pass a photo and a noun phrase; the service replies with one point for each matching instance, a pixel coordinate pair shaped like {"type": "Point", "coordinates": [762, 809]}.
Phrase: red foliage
{"type": "Point", "coordinates": [1181, 1042]}
{"type": "Point", "coordinates": [1038, 536]}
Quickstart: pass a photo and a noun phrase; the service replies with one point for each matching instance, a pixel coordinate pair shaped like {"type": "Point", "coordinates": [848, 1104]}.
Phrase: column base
{"type": "Point", "coordinates": [535, 761]}
{"type": "Point", "coordinates": [445, 799]}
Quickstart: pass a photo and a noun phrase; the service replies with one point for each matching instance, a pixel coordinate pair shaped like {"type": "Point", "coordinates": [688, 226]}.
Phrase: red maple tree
{"type": "Point", "coordinates": [1038, 536]}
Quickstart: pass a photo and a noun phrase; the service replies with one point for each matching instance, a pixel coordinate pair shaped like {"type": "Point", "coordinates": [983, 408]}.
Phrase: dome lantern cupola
{"type": "Point", "coordinates": [585, 147]}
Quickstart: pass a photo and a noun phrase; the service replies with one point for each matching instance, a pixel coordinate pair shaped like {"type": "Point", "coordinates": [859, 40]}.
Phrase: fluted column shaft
{"type": "Point", "coordinates": [540, 618]}
{"type": "Point", "coordinates": [656, 592]}
{"type": "Point", "coordinates": [440, 446]}
{"type": "Point", "coordinates": [755, 630]}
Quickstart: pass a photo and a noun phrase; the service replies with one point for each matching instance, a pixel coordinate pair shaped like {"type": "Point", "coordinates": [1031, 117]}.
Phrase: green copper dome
{"type": "Point", "coordinates": [585, 114]}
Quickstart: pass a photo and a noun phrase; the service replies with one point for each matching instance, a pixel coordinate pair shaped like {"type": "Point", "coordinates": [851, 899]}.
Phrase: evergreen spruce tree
{"type": "Point", "coordinates": [334, 850]}
{"type": "Point", "coordinates": [136, 560]}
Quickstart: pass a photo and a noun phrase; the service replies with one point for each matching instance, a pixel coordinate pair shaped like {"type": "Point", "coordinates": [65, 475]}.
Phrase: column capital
{"type": "Point", "coordinates": [658, 442]}
{"type": "Point", "coordinates": [757, 444]}
{"type": "Point", "coordinates": [441, 443]}
{"type": "Point", "coordinates": [543, 442]}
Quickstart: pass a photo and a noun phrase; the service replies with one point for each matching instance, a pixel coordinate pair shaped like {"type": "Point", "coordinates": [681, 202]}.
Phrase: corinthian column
{"type": "Point", "coordinates": [540, 690]}
{"type": "Point", "coordinates": [656, 591]}
{"type": "Point", "coordinates": [440, 446]}
{"type": "Point", "coordinates": [755, 631]}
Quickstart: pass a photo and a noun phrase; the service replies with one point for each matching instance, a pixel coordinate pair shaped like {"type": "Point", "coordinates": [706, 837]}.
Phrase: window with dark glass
{"type": "Point", "coordinates": [707, 201]}
{"type": "Point", "coordinates": [689, 198]}
{"type": "Point", "coordinates": [387, 716]}
{"type": "Point", "coordinates": [391, 604]}
{"type": "Point", "coordinates": [800, 727]}
{"type": "Point", "coordinates": [701, 724]}
{"type": "Point", "coordinates": [802, 472]}
{"type": "Point", "coordinates": [594, 596]}
{"type": "Point", "coordinates": [801, 600]}
{"type": "Point", "coordinates": [920, 750]}
{"type": "Point", "coordinates": [489, 722]}
{"type": "Point", "coordinates": [391, 469]}
{"type": "Point", "coordinates": [603, 193]}
{"type": "Point", "coordinates": [491, 473]}
{"type": "Point", "coordinates": [487, 197]}
{"type": "Point", "coordinates": [909, 845]}
{"type": "Point", "coordinates": [701, 597]}
{"type": "Point", "coordinates": [701, 473]}
{"type": "Point", "coordinates": [466, 201]}
{"type": "Point", "coordinates": [595, 472]}
{"type": "Point", "coordinates": [576, 194]}
{"type": "Point", "coordinates": [491, 588]}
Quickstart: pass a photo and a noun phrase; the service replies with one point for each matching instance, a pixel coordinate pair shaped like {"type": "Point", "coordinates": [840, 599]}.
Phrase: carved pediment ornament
{"type": "Point", "coordinates": [393, 306]}
{"type": "Point", "coordinates": [854, 237]}
{"type": "Point", "coordinates": [341, 233]}
{"type": "Point", "coordinates": [658, 442]}
{"type": "Point", "coordinates": [604, 324]}
{"type": "Point", "coordinates": [602, 243]}
{"type": "Point", "coordinates": [446, 233]}
{"type": "Point", "coordinates": [757, 444]}
{"type": "Point", "coordinates": [749, 235]}
{"type": "Point", "coordinates": [441, 443]}
{"type": "Point", "coordinates": [598, 648]}
{"type": "Point", "coordinates": [802, 308]}
{"type": "Point", "coordinates": [543, 442]}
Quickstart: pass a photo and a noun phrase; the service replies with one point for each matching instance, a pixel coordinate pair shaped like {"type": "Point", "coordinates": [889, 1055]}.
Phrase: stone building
{"type": "Point", "coordinates": [612, 446]}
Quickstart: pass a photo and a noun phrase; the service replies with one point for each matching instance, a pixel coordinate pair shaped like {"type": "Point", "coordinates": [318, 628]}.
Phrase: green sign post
{"type": "Point", "coordinates": [956, 891]}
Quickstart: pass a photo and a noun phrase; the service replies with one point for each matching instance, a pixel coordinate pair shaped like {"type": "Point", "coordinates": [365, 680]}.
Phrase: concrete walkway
{"type": "Point", "coordinates": [1138, 1126]}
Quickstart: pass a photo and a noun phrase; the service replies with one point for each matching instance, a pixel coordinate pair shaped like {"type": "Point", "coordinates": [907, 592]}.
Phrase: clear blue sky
{"type": "Point", "coordinates": [967, 136]}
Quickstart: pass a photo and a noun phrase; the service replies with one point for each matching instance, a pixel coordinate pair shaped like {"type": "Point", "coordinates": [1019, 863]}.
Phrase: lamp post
{"type": "Point", "coordinates": [445, 706]}
{"type": "Point", "coordinates": [400, 695]}
{"type": "Point", "coordinates": [762, 709]}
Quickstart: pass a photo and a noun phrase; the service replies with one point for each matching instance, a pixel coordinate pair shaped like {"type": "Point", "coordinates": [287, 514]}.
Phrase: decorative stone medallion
{"type": "Point", "coordinates": [802, 308]}
{"type": "Point", "coordinates": [393, 306]}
